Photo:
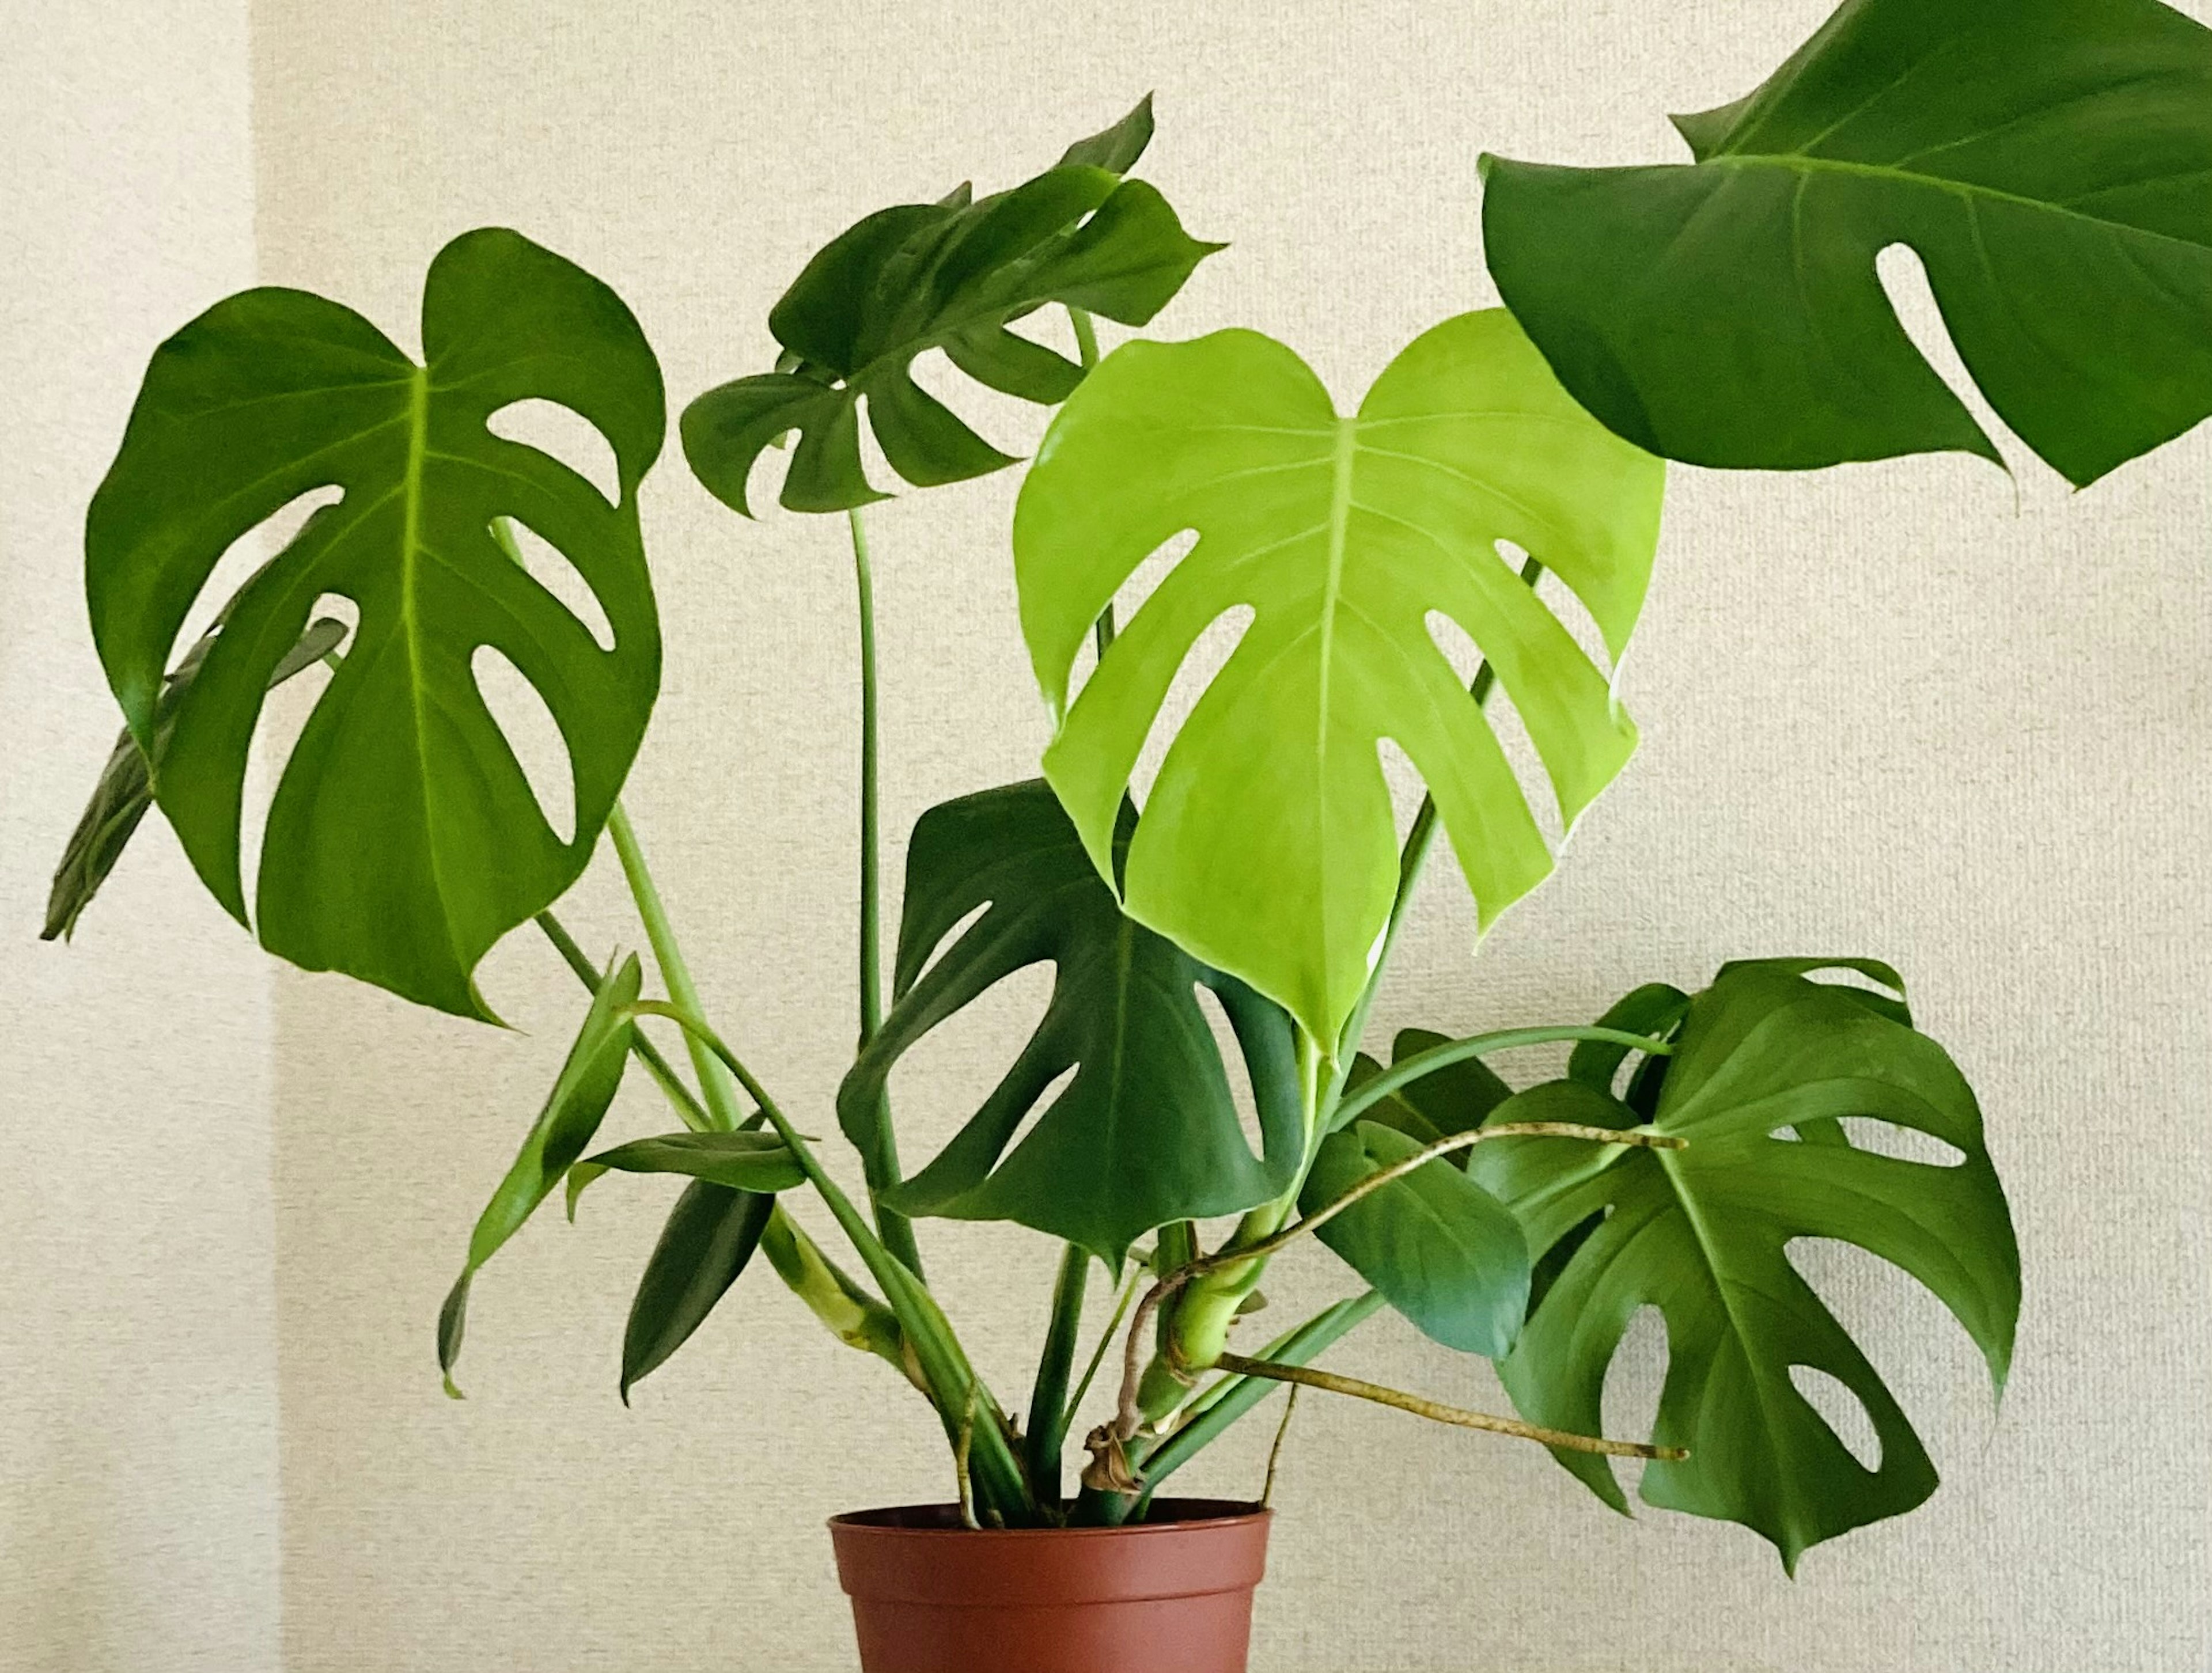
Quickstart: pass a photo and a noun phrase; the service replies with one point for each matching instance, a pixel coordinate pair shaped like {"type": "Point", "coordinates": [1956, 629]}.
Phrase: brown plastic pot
{"type": "Point", "coordinates": [1175, 1592]}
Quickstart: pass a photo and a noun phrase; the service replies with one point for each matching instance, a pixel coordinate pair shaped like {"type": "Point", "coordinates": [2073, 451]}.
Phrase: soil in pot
{"type": "Point", "coordinates": [1172, 1593]}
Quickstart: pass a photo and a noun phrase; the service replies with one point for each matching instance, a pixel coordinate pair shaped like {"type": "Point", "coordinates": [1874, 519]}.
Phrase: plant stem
{"type": "Point", "coordinates": [1122, 1304]}
{"type": "Point", "coordinates": [1275, 1452]}
{"type": "Point", "coordinates": [1048, 1426]}
{"type": "Point", "coordinates": [953, 1381]}
{"type": "Point", "coordinates": [714, 1082]}
{"type": "Point", "coordinates": [1440, 1413]}
{"type": "Point", "coordinates": [853, 1316]}
{"type": "Point", "coordinates": [1086, 336]}
{"type": "Point", "coordinates": [694, 1114]}
{"type": "Point", "coordinates": [880, 1160]}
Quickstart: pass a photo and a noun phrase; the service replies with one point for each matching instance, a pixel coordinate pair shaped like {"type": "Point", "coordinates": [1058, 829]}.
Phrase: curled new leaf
{"type": "Point", "coordinates": [2049, 161]}
{"type": "Point", "coordinates": [1266, 846]}
{"type": "Point", "coordinates": [589, 1078]}
{"type": "Point", "coordinates": [1704, 1233]}
{"type": "Point", "coordinates": [711, 1235]}
{"type": "Point", "coordinates": [1147, 1130]}
{"type": "Point", "coordinates": [403, 837]}
{"type": "Point", "coordinates": [953, 275]}
{"type": "Point", "coordinates": [742, 1160]}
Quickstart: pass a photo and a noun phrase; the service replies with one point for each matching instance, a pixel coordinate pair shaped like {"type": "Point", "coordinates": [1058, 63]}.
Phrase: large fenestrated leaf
{"type": "Point", "coordinates": [2050, 161]}
{"type": "Point", "coordinates": [1703, 1233]}
{"type": "Point", "coordinates": [952, 275]}
{"type": "Point", "coordinates": [126, 788]}
{"type": "Point", "coordinates": [1146, 1131]}
{"type": "Point", "coordinates": [590, 1076]}
{"type": "Point", "coordinates": [404, 839]}
{"type": "Point", "coordinates": [1266, 846]}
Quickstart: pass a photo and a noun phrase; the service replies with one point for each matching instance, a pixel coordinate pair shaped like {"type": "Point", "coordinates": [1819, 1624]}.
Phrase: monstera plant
{"type": "Point", "coordinates": [1392, 571]}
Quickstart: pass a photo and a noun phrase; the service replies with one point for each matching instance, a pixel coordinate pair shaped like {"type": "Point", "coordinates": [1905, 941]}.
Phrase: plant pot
{"type": "Point", "coordinates": [1173, 1593]}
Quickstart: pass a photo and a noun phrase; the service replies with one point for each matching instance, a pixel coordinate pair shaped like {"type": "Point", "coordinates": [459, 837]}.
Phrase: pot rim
{"type": "Point", "coordinates": [1220, 1512]}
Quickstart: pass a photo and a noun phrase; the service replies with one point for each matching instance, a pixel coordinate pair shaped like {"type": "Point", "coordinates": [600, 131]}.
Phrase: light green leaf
{"type": "Point", "coordinates": [126, 790]}
{"type": "Point", "coordinates": [1437, 1245]}
{"type": "Point", "coordinates": [710, 1238]}
{"type": "Point", "coordinates": [742, 1160]}
{"type": "Point", "coordinates": [1147, 1131]}
{"type": "Point", "coordinates": [589, 1078]}
{"type": "Point", "coordinates": [2049, 161]}
{"type": "Point", "coordinates": [1703, 1233]}
{"type": "Point", "coordinates": [1266, 846]}
{"type": "Point", "coordinates": [953, 275]}
{"type": "Point", "coordinates": [404, 839]}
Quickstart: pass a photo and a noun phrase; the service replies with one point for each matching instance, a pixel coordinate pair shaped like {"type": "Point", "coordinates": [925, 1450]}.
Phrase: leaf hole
{"type": "Point", "coordinates": [1035, 1112]}
{"type": "Point", "coordinates": [1405, 787]}
{"type": "Point", "coordinates": [552, 569]}
{"type": "Point", "coordinates": [284, 715]}
{"type": "Point", "coordinates": [1843, 1411]}
{"type": "Point", "coordinates": [1566, 605]}
{"type": "Point", "coordinates": [1009, 423]}
{"type": "Point", "coordinates": [532, 735]}
{"type": "Point", "coordinates": [944, 1077]}
{"type": "Point", "coordinates": [1145, 579]}
{"type": "Point", "coordinates": [1901, 1142]}
{"type": "Point", "coordinates": [562, 433]}
{"type": "Point", "coordinates": [1201, 665]}
{"type": "Point", "coordinates": [1629, 1407]}
{"type": "Point", "coordinates": [1234, 1069]}
{"type": "Point", "coordinates": [948, 941]}
{"type": "Point", "coordinates": [244, 559]}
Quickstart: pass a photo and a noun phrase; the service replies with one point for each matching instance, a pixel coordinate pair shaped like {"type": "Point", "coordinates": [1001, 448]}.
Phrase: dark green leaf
{"type": "Point", "coordinates": [1437, 1245]}
{"type": "Point", "coordinates": [588, 1080]}
{"type": "Point", "coordinates": [742, 1160]}
{"type": "Point", "coordinates": [404, 839]}
{"type": "Point", "coordinates": [1455, 1099]}
{"type": "Point", "coordinates": [2050, 161]}
{"type": "Point", "coordinates": [951, 275]}
{"type": "Point", "coordinates": [1653, 1010]}
{"type": "Point", "coordinates": [711, 1234]}
{"type": "Point", "coordinates": [125, 791]}
{"type": "Point", "coordinates": [1703, 1234]}
{"type": "Point", "coordinates": [1115, 148]}
{"type": "Point", "coordinates": [1146, 1131]}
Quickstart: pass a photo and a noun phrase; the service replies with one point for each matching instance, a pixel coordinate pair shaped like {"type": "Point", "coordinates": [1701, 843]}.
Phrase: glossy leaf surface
{"type": "Point", "coordinates": [1266, 846]}
{"type": "Point", "coordinates": [126, 790]}
{"type": "Point", "coordinates": [2049, 161]}
{"type": "Point", "coordinates": [710, 1236]}
{"type": "Point", "coordinates": [403, 837]}
{"type": "Point", "coordinates": [953, 275]}
{"type": "Point", "coordinates": [1703, 1233]}
{"type": "Point", "coordinates": [589, 1078]}
{"type": "Point", "coordinates": [742, 1160]}
{"type": "Point", "coordinates": [1147, 1130]}
{"type": "Point", "coordinates": [1438, 1247]}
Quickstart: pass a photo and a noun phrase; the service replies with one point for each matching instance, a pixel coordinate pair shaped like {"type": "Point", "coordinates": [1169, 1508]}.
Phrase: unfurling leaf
{"type": "Point", "coordinates": [1146, 1131]}
{"type": "Point", "coordinates": [1266, 846]}
{"type": "Point", "coordinates": [1438, 1247]}
{"type": "Point", "coordinates": [403, 837]}
{"type": "Point", "coordinates": [953, 275]}
{"type": "Point", "coordinates": [125, 789]}
{"type": "Point", "coordinates": [711, 1235]}
{"type": "Point", "coordinates": [1704, 1233]}
{"type": "Point", "coordinates": [2049, 161]}
{"type": "Point", "coordinates": [742, 1160]}
{"type": "Point", "coordinates": [589, 1079]}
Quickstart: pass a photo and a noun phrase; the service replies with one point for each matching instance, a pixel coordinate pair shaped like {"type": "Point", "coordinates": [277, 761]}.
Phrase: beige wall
{"type": "Point", "coordinates": [1917, 710]}
{"type": "Point", "coordinates": [138, 1505]}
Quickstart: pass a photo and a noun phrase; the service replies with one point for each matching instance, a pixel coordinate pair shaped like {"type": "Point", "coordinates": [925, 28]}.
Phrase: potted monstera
{"type": "Point", "coordinates": [1390, 573]}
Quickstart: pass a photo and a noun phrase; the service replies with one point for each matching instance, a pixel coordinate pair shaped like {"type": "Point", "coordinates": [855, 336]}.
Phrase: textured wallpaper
{"type": "Point", "coordinates": [1925, 710]}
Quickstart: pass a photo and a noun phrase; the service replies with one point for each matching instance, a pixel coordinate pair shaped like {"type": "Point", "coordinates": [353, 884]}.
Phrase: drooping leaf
{"type": "Point", "coordinates": [1266, 846]}
{"type": "Point", "coordinates": [126, 790]}
{"type": "Point", "coordinates": [953, 275]}
{"type": "Point", "coordinates": [2049, 161]}
{"type": "Point", "coordinates": [741, 1160]}
{"type": "Point", "coordinates": [1703, 1233]}
{"type": "Point", "coordinates": [404, 839]}
{"type": "Point", "coordinates": [1146, 1132]}
{"type": "Point", "coordinates": [710, 1235]}
{"type": "Point", "coordinates": [589, 1078]}
{"type": "Point", "coordinates": [1437, 1245]}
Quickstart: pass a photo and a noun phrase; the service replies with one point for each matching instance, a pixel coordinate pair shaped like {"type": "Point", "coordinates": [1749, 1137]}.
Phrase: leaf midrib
{"type": "Point", "coordinates": [1971, 191]}
{"type": "Point", "coordinates": [410, 547]}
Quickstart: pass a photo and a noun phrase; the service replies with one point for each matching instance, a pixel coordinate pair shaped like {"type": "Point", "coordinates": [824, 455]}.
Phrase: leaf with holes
{"type": "Point", "coordinates": [590, 1077]}
{"type": "Point", "coordinates": [1440, 1249]}
{"type": "Point", "coordinates": [1703, 1234]}
{"type": "Point", "coordinates": [1146, 1131]}
{"type": "Point", "coordinates": [404, 839]}
{"type": "Point", "coordinates": [1266, 846]}
{"type": "Point", "coordinates": [125, 789]}
{"type": "Point", "coordinates": [955, 275]}
{"type": "Point", "coordinates": [2049, 161]}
